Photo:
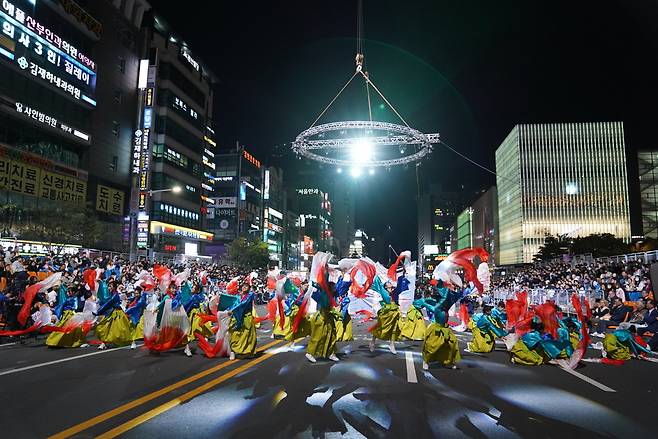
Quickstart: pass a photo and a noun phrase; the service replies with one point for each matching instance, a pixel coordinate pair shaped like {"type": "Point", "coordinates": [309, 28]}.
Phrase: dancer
{"type": "Point", "coordinates": [135, 313]}
{"type": "Point", "coordinates": [322, 342]}
{"type": "Point", "coordinates": [341, 313]}
{"type": "Point", "coordinates": [67, 303]}
{"type": "Point", "coordinates": [388, 316]}
{"type": "Point", "coordinates": [114, 328]}
{"type": "Point", "coordinates": [413, 327]}
{"type": "Point", "coordinates": [439, 342]}
{"type": "Point", "coordinates": [299, 327]}
{"type": "Point", "coordinates": [242, 326]}
{"type": "Point", "coordinates": [167, 327]}
{"type": "Point", "coordinates": [193, 307]}
{"type": "Point", "coordinates": [485, 329]}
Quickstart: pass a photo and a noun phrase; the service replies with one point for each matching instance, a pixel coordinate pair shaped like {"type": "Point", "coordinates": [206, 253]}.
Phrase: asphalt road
{"type": "Point", "coordinates": [131, 393]}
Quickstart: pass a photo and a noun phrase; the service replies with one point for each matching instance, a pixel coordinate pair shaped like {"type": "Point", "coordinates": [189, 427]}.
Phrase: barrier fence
{"type": "Point", "coordinates": [536, 296]}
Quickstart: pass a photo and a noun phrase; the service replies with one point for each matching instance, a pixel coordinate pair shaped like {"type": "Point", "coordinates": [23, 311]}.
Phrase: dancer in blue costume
{"type": "Point", "coordinates": [439, 343]}
{"type": "Point", "coordinates": [242, 326]}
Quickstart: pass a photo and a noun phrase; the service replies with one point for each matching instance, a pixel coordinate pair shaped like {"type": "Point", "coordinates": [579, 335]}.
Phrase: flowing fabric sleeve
{"type": "Point", "coordinates": [379, 287]}
{"type": "Point", "coordinates": [241, 308]}
{"type": "Point", "coordinates": [135, 311]}
{"type": "Point", "coordinates": [109, 305]}
{"type": "Point", "coordinates": [61, 299]}
{"type": "Point", "coordinates": [342, 287]}
{"type": "Point", "coordinates": [626, 338]}
{"type": "Point", "coordinates": [531, 339]}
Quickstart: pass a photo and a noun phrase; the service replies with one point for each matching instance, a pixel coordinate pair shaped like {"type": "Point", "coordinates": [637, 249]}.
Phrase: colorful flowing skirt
{"type": "Point", "coordinates": [614, 349]}
{"type": "Point", "coordinates": [322, 342]}
{"type": "Point", "coordinates": [440, 345]}
{"type": "Point", "coordinates": [115, 329]}
{"type": "Point", "coordinates": [525, 356]}
{"type": "Point", "coordinates": [413, 327]}
{"type": "Point", "coordinates": [304, 328]}
{"type": "Point", "coordinates": [243, 340]}
{"type": "Point", "coordinates": [482, 341]}
{"type": "Point", "coordinates": [72, 339]}
{"type": "Point", "coordinates": [138, 329]}
{"type": "Point", "coordinates": [343, 327]}
{"type": "Point", "coordinates": [277, 330]}
{"type": "Point", "coordinates": [388, 323]}
{"type": "Point", "coordinates": [196, 325]}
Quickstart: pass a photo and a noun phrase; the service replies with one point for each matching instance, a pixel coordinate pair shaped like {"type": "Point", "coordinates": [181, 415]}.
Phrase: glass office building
{"type": "Point", "coordinates": [560, 179]}
{"type": "Point", "coordinates": [648, 173]}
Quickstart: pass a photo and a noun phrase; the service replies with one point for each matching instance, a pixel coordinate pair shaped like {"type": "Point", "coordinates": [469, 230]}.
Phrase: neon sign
{"type": "Point", "coordinates": [188, 58]}
{"type": "Point", "coordinates": [49, 120]}
{"type": "Point", "coordinates": [250, 158]}
{"type": "Point", "coordinates": [33, 48]}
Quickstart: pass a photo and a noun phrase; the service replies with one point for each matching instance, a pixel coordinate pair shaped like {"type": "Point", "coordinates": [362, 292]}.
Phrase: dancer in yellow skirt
{"type": "Point", "coordinates": [413, 326]}
{"type": "Point", "coordinates": [67, 304]}
{"type": "Point", "coordinates": [114, 328]}
{"type": "Point", "coordinates": [485, 329]}
{"type": "Point", "coordinates": [322, 342]}
{"type": "Point", "coordinates": [242, 327]}
{"type": "Point", "coordinates": [388, 316]}
{"type": "Point", "coordinates": [439, 342]}
{"type": "Point", "coordinates": [193, 307]}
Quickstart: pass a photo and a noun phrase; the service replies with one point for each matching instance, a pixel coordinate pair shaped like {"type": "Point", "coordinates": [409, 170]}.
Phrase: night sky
{"type": "Point", "coordinates": [469, 70]}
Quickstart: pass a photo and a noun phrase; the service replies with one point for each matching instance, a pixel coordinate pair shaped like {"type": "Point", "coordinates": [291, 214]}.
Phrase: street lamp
{"type": "Point", "coordinates": [175, 189]}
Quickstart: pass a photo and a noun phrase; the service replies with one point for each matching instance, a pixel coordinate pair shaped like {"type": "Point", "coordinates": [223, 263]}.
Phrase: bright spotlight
{"type": "Point", "coordinates": [339, 170]}
{"type": "Point", "coordinates": [362, 151]}
{"type": "Point", "coordinates": [371, 171]}
{"type": "Point", "coordinates": [356, 172]}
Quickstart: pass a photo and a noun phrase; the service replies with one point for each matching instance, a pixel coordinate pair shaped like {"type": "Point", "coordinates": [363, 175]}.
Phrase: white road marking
{"type": "Point", "coordinates": [588, 380]}
{"type": "Point", "coordinates": [411, 369]}
{"type": "Point", "coordinates": [63, 360]}
{"type": "Point", "coordinates": [7, 344]}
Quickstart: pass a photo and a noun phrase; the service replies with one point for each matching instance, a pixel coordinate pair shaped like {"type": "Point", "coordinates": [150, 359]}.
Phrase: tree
{"type": "Point", "coordinates": [247, 254]}
{"type": "Point", "coordinates": [553, 247]}
{"type": "Point", "coordinates": [598, 244]}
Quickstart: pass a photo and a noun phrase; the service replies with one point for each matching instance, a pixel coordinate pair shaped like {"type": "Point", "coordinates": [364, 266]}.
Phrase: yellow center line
{"type": "Point", "coordinates": [129, 425]}
{"type": "Point", "coordinates": [146, 398]}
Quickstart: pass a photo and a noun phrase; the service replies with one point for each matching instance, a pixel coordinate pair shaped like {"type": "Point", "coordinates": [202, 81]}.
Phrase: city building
{"type": "Point", "coordinates": [67, 104]}
{"type": "Point", "coordinates": [476, 226]}
{"type": "Point", "coordinates": [314, 206]}
{"type": "Point", "coordinates": [274, 208]}
{"type": "Point", "coordinates": [360, 245]}
{"type": "Point", "coordinates": [170, 141]}
{"type": "Point", "coordinates": [647, 162]}
{"type": "Point", "coordinates": [238, 207]}
{"type": "Point", "coordinates": [437, 210]}
{"type": "Point", "coordinates": [293, 240]}
{"type": "Point", "coordinates": [560, 179]}
{"type": "Point", "coordinates": [343, 214]}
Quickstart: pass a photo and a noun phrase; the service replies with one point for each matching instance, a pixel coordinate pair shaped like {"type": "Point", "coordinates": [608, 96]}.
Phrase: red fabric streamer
{"type": "Point", "coordinates": [546, 312]}
{"type": "Point", "coordinates": [300, 315]}
{"type": "Point", "coordinates": [367, 315]}
{"type": "Point", "coordinates": [89, 276]}
{"type": "Point", "coordinates": [18, 332]}
{"type": "Point", "coordinates": [297, 281]}
{"type": "Point", "coordinates": [282, 314]}
{"type": "Point", "coordinates": [232, 286]}
{"type": "Point", "coordinates": [324, 286]}
{"type": "Point", "coordinates": [373, 327]}
{"type": "Point", "coordinates": [168, 338]}
{"type": "Point", "coordinates": [205, 318]}
{"type": "Point", "coordinates": [369, 272]}
{"type": "Point", "coordinates": [393, 269]}
{"type": "Point", "coordinates": [588, 309]}
{"type": "Point", "coordinates": [28, 296]}
{"type": "Point", "coordinates": [464, 258]}
{"type": "Point", "coordinates": [612, 362]}
{"type": "Point", "coordinates": [210, 350]}
{"type": "Point", "coordinates": [463, 314]}
{"type": "Point", "coordinates": [434, 282]}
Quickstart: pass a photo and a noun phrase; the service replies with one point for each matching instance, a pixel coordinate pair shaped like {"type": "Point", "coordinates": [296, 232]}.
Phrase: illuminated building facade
{"type": "Point", "coordinates": [437, 210]}
{"type": "Point", "coordinates": [67, 106]}
{"type": "Point", "coordinates": [648, 174]}
{"type": "Point", "coordinates": [315, 212]}
{"type": "Point", "coordinates": [238, 201]}
{"type": "Point", "coordinates": [560, 179]}
{"type": "Point", "coordinates": [173, 145]}
{"type": "Point", "coordinates": [274, 208]}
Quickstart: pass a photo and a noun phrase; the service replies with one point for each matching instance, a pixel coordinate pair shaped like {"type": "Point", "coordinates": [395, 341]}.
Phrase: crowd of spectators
{"type": "Point", "coordinates": [629, 281]}
{"type": "Point", "coordinates": [17, 272]}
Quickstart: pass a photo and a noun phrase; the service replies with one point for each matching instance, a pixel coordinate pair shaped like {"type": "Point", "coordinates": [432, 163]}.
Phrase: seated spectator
{"type": "Point", "coordinates": [618, 313]}
{"type": "Point", "coordinates": [650, 319]}
{"type": "Point", "coordinates": [639, 311]}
